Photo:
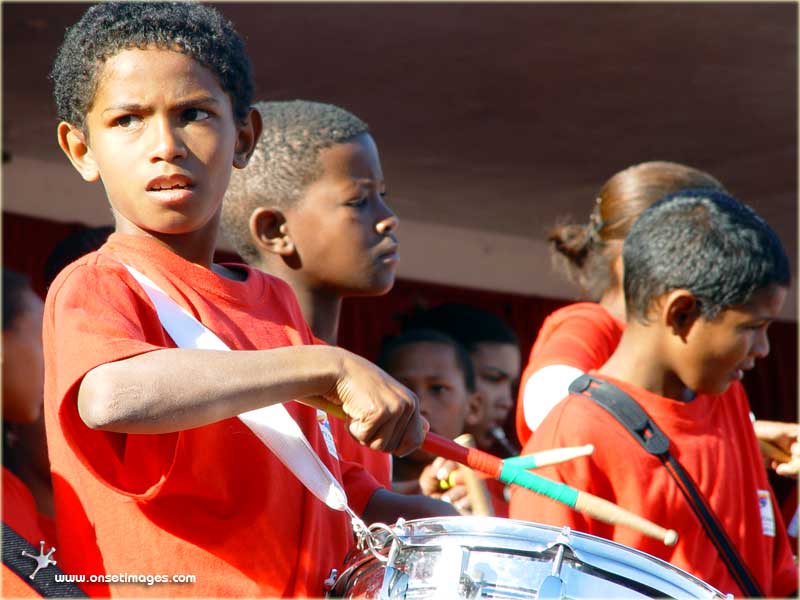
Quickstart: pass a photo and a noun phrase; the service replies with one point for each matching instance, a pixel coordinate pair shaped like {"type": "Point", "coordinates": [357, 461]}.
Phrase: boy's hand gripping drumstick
{"type": "Point", "coordinates": [594, 506]}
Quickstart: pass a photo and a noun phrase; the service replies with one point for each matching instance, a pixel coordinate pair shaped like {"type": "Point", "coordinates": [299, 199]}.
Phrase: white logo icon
{"type": "Point", "coordinates": [42, 560]}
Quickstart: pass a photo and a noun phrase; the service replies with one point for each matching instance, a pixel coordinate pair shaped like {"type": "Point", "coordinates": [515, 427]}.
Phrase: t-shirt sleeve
{"type": "Point", "coordinates": [583, 336]}
{"type": "Point", "coordinates": [96, 315]}
{"type": "Point", "coordinates": [566, 425]}
{"type": "Point", "coordinates": [359, 485]}
{"type": "Point", "coordinates": [577, 338]}
{"type": "Point", "coordinates": [544, 389]}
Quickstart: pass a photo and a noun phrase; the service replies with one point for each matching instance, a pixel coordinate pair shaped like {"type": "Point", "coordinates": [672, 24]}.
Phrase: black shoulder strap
{"type": "Point", "coordinates": [628, 412]}
{"type": "Point", "coordinates": [25, 565]}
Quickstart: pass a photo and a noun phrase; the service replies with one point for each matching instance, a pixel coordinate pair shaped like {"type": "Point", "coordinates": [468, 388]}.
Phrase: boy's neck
{"type": "Point", "coordinates": [640, 360]}
{"type": "Point", "coordinates": [321, 308]}
{"type": "Point", "coordinates": [196, 246]}
{"type": "Point", "coordinates": [613, 300]}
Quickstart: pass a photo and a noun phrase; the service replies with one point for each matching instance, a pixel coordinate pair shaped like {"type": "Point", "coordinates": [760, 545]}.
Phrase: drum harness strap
{"type": "Point", "coordinates": [628, 412]}
{"type": "Point", "coordinates": [44, 583]}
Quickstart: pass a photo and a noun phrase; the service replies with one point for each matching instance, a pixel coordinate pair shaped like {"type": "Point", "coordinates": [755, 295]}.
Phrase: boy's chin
{"type": "Point", "coordinates": [713, 389]}
{"type": "Point", "coordinates": [368, 289]}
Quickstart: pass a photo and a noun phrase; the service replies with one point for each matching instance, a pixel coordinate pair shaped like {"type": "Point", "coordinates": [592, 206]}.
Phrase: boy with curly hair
{"type": "Point", "coordinates": [152, 472]}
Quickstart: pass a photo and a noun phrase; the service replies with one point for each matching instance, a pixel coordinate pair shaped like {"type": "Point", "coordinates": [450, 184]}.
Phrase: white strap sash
{"type": "Point", "coordinates": [273, 425]}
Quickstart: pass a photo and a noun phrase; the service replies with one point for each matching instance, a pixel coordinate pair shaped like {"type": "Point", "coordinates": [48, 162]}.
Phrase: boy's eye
{"type": "Point", "coordinates": [195, 114]}
{"type": "Point", "coordinates": [357, 202]}
{"type": "Point", "coordinates": [127, 121]}
{"type": "Point", "coordinates": [438, 388]}
{"type": "Point", "coordinates": [494, 377]}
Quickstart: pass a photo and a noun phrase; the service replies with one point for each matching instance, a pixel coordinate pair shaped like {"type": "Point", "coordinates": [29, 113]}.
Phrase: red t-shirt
{"type": "Point", "coordinates": [20, 513]}
{"type": "Point", "coordinates": [713, 438]}
{"type": "Point", "coordinates": [211, 501]}
{"type": "Point", "coordinates": [582, 335]}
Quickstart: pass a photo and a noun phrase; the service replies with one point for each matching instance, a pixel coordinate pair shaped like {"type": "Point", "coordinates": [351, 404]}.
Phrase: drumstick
{"type": "Point", "coordinates": [549, 457]}
{"type": "Point", "coordinates": [476, 488]}
{"type": "Point", "coordinates": [595, 507]}
{"type": "Point", "coordinates": [592, 505]}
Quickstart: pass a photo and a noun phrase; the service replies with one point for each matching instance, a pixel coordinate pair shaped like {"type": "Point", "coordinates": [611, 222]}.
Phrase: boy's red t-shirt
{"type": "Point", "coordinates": [713, 438]}
{"type": "Point", "coordinates": [20, 513]}
{"type": "Point", "coordinates": [211, 501]}
{"type": "Point", "coordinates": [582, 335]}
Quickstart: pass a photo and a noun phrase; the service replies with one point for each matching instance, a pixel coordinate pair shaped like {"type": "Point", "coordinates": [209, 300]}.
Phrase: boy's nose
{"type": "Point", "coordinates": [388, 224]}
{"type": "Point", "coordinates": [167, 143]}
{"type": "Point", "coordinates": [761, 345]}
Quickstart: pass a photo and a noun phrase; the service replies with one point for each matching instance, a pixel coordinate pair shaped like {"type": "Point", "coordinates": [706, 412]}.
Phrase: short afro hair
{"type": "Point", "coordinates": [704, 241]}
{"type": "Point", "coordinates": [285, 162]}
{"type": "Point", "coordinates": [417, 336]}
{"type": "Point", "coordinates": [467, 324]}
{"type": "Point", "coordinates": [108, 28]}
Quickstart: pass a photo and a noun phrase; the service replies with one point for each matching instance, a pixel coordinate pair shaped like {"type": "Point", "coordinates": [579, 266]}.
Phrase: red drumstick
{"type": "Point", "coordinates": [471, 457]}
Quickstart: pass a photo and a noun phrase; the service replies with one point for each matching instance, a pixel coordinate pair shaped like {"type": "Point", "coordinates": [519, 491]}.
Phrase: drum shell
{"type": "Point", "coordinates": [475, 557]}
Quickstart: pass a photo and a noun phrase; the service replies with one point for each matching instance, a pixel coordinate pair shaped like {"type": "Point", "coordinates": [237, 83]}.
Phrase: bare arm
{"type": "Point", "coordinates": [386, 507]}
{"type": "Point", "coordinates": [175, 389]}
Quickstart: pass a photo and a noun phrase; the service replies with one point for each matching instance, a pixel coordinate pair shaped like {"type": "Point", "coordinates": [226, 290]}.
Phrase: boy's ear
{"type": "Point", "coordinates": [247, 138]}
{"type": "Point", "coordinates": [270, 232]}
{"type": "Point", "coordinates": [475, 410]}
{"type": "Point", "coordinates": [73, 142]}
{"type": "Point", "coordinates": [679, 312]}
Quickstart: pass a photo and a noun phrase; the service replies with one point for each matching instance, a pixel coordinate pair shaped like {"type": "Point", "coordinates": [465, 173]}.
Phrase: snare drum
{"type": "Point", "coordinates": [483, 557]}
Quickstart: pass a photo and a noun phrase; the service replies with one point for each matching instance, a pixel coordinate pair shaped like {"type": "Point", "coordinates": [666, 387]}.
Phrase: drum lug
{"type": "Point", "coordinates": [552, 587]}
{"type": "Point", "coordinates": [328, 584]}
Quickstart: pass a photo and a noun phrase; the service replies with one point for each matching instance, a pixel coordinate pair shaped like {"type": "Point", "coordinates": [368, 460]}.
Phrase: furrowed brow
{"type": "Point", "coordinates": [126, 107]}
{"type": "Point", "coordinates": [182, 105]}
{"type": "Point", "coordinates": [192, 102]}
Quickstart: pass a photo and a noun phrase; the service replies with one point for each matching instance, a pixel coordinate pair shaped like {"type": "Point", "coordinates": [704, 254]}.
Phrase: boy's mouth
{"type": "Point", "coordinates": [177, 186]}
{"type": "Point", "coordinates": [169, 182]}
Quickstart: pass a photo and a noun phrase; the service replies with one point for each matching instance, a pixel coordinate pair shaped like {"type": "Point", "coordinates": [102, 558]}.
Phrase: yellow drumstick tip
{"type": "Point", "coordinates": [671, 537]}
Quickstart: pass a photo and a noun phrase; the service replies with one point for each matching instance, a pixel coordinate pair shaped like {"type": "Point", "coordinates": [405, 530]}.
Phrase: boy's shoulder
{"type": "Point", "coordinates": [89, 267]}
{"type": "Point", "coordinates": [586, 319]}
{"type": "Point", "coordinates": [575, 417]}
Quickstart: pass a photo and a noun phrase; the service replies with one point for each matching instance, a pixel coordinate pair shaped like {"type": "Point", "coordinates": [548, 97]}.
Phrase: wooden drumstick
{"type": "Point", "coordinates": [476, 487]}
{"type": "Point", "coordinates": [595, 507]}
{"type": "Point", "coordinates": [549, 457]}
